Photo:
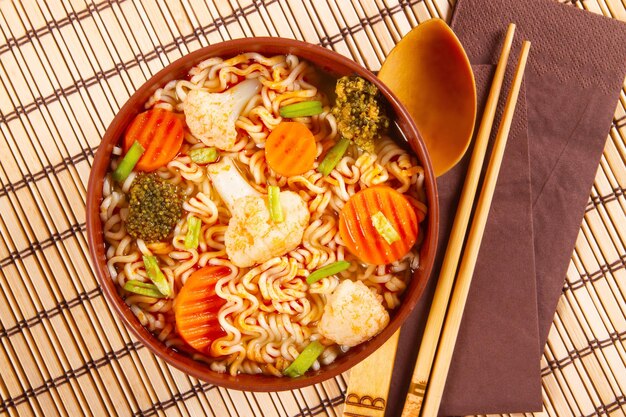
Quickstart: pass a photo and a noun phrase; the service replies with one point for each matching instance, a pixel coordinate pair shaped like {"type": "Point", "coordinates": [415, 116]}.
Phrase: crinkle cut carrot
{"type": "Point", "coordinates": [290, 149]}
{"type": "Point", "coordinates": [361, 236]}
{"type": "Point", "coordinates": [161, 134]}
{"type": "Point", "coordinates": [196, 308]}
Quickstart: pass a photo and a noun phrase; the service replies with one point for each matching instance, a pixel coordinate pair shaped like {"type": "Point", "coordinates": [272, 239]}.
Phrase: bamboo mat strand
{"type": "Point", "coordinates": [66, 67]}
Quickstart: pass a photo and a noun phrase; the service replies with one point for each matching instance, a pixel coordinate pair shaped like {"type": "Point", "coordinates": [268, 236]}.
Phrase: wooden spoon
{"type": "Point", "coordinates": [430, 73]}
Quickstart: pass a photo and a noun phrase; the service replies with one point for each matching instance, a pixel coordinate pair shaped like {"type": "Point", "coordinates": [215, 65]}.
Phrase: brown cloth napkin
{"type": "Point", "coordinates": [575, 71]}
{"type": "Point", "coordinates": [576, 68]}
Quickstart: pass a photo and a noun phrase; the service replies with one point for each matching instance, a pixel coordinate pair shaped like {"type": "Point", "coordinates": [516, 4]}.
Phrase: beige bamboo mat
{"type": "Point", "coordinates": [67, 66]}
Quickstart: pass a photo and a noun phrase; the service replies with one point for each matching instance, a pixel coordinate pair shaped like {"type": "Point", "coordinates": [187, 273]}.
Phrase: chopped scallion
{"type": "Point", "coordinates": [276, 211]}
{"type": "Point", "coordinates": [203, 155]}
{"type": "Point", "coordinates": [326, 271]}
{"type": "Point", "coordinates": [305, 360]}
{"type": "Point", "coordinates": [129, 161]}
{"type": "Point", "coordinates": [143, 288]}
{"type": "Point", "coordinates": [385, 228]}
{"type": "Point", "coordinates": [154, 273]}
{"type": "Point", "coordinates": [302, 109]}
{"type": "Point", "coordinates": [333, 156]}
{"type": "Point", "coordinates": [192, 237]}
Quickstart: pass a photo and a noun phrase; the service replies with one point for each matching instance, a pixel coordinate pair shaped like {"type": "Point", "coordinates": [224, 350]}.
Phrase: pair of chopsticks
{"type": "Point", "coordinates": [426, 387]}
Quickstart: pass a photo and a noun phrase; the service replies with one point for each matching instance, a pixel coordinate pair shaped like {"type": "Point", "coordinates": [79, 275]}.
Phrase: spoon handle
{"type": "Point", "coordinates": [368, 385]}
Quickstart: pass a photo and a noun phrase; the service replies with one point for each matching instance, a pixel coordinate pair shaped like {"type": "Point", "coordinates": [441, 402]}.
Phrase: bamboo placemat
{"type": "Point", "coordinates": [66, 67]}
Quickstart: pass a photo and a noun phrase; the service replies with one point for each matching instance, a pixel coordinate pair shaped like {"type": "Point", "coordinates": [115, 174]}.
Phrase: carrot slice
{"type": "Point", "coordinates": [196, 308]}
{"type": "Point", "coordinates": [160, 132]}
{"type": "Point", "coordinates": [290, 149]}
{"type": "Point", "coordinates": [360, 230]}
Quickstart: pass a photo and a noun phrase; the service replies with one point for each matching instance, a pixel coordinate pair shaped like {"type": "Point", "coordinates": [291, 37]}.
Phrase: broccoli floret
{"type": "Point", "coordinates": [359, 112]}
{"type": "Point", "coordinates": [155, 208]}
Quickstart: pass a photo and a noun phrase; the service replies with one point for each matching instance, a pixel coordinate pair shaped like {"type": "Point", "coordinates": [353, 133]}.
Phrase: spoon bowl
{"type": "Point", "coordinates": [430, 73]}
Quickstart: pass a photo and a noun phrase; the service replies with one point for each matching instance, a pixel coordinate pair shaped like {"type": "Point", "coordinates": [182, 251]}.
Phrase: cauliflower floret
{"type": "Point", "coordinates": [252, 237]}
{"type": "Point", "coordinates": [229, 183]}
{"type": "Point", "coordinates": [211, 117]}
{"type": "Point", "coordinates": [352, 315]}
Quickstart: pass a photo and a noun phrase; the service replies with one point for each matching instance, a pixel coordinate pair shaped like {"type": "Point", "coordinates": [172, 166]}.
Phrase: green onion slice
{"type": "Point", "coordinates": [129, 161]}
{"type": "Point", "coordinates": [156, 276]}
{"type": "Point", "coordinates": [276, 211]}
{"type": "Point", "coordinates": [203, 155]}
{"type": "Point", "coordinates": [302, 109]}
{"type": "Point", "coordinates": [192, 237]}
{"type": "Point", "coordinates": [326, 271]}
{"type": "Point", "coordinates": [385, 228]}
{"type": "Point", "coordinates": [305, 360]}
{"type": "Point", "coordinates": [143, 288]}
{"type": "Point", "coordinates": [333, 156]}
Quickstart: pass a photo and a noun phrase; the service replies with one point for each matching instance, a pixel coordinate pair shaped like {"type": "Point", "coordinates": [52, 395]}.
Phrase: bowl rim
{"type": "Point", "coordinates": [317, 55]}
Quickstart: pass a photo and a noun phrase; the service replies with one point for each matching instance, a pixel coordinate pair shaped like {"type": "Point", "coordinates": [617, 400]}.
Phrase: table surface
{"type": "Point", "coordinates": [66, 67]}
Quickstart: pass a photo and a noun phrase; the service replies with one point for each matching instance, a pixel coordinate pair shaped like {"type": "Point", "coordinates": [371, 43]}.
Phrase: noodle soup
{"type": "Point", "coordinates": [252, 224]}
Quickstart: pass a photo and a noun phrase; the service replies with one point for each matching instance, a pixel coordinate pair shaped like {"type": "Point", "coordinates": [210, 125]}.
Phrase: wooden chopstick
{"type": "Point", "coordinates": [466, 270]}
{"type": "Point", "coordinates": [439, 305]}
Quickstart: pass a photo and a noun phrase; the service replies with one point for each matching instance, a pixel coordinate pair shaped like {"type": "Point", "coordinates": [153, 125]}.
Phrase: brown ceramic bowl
{"type": "Point", "coordinates": [326, 60]}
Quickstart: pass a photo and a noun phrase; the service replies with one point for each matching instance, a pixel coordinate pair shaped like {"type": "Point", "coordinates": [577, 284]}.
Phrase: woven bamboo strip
{"type": "Point", "coordinates": [334, 21]}
{"type": "Point", "coordinates": [561, 346]}
{"type": "Point", "coordinates": [227, 402]}
{"type": "Point", "coordinates": [603, 328]}
{"type": "Point", "coordinates": [607, 287]}
{"type": "Point", "coordinates": [548, 408]}
{"type": "Point", "coordinates": [603, 354]}
{"type": "Point", "coordinates": [613, 9]}
{"type": "Point", "coordinates": [612, 215]}
{"type": "Point", "coordinates": [444, 9]}
{"type": "Point", "coordinates": [361, 42]}
{"type": "Point", "coordinates": [555, 389]}
{"type": "Point", "coordinates": [282, 22]}
{"type": "Point", "coordinates": [593, 7]}
{"type": "Point", "coordinates": [404, 25]}
{"type": "Point", "coordinates": [421, 12]}
{"type": "Point", "coordinates": [606, 245]}
{"type": "Point", "coordinates": [607, 183]}
{"type": "Point", "coordinates": [385, 31]}
{"type": "Point", "coordinates": [304, 26]}
{"type": "Point", "coordinates": [432, 8]}
{"type": "Point", "coordinates": [614, 163]}
{"type": "Point", "coordinates": [378, 37]}
{"type": "Point", "coordinates": [588, 366]}
{"type": "Point", "coordinates": [602, 286]}
{"type": "Point", "coordinates": [288, 405]}
{"type": "Point", "coordinates": [579, 337]}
